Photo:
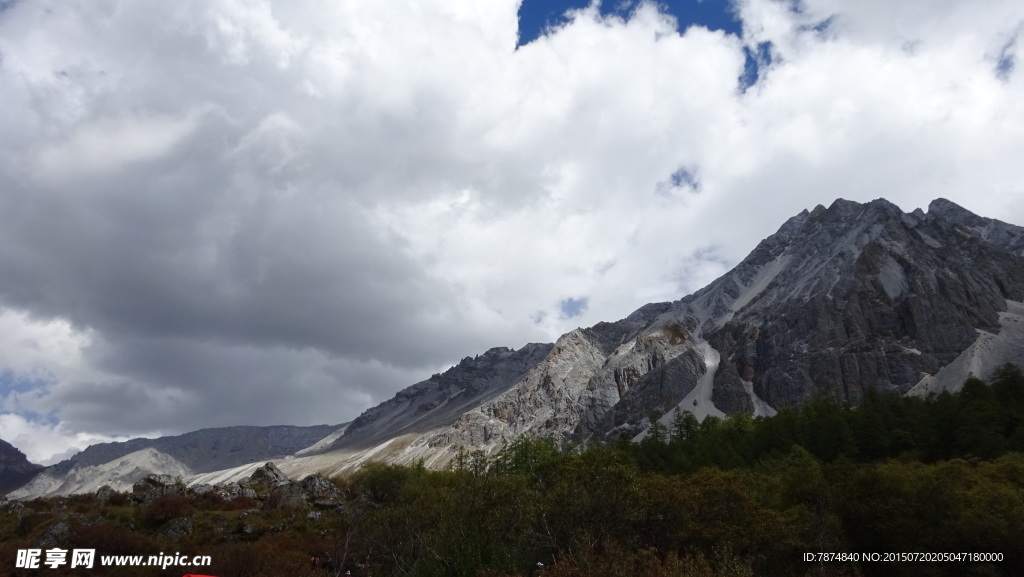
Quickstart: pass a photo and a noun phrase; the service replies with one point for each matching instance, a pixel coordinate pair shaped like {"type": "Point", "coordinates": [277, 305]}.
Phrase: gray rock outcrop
{"type": "Point", "coordinates": [153, 486]}
{"type": "Point", "coordinates": [313, 491]}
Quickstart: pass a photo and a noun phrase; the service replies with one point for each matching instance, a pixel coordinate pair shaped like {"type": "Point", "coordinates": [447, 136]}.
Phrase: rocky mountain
{"type": "Point", "coordinates": [15, 468]}
{"type": "Point", "coordinates": [443, 398]}
{"type": "Point", "coordinates": [121, 464]}
{"type": "Point", "coordinates": [840, 299]}
{"type": "Point", "coordinates": [860, 296]}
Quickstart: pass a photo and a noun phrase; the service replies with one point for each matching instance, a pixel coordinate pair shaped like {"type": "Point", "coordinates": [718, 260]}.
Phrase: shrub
{"type": "Point", "coordinates": [165, 508]}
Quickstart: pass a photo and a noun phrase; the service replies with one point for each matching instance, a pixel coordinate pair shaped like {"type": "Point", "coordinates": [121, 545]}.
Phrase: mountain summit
{"type": "Point", "coordinates": [856, 296]}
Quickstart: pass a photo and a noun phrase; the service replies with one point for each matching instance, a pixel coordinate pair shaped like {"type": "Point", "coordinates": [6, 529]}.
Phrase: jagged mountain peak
{"type": "Point", "coordinates": [812, 245]}
{"type": "Point", "coordinates": [949, 210]}
{"type": "Point", "coordinates": [860, 295]}
{"type": "Point", "coordinates": [825, 244]}
{"type": "Point", "coordinates": [991, 231]}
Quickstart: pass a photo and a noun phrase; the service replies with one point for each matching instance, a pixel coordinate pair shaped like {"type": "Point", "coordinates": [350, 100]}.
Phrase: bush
{"type": "Point", "coordinates": [165, 508]}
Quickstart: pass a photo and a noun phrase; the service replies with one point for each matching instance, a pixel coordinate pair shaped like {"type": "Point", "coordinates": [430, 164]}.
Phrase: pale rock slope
{"type": "Point", "coordinates": [120, 474]}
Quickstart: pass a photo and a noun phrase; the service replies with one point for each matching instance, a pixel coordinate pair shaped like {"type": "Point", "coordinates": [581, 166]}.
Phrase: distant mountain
{"type": "Point", "coordinates": [211, 449]}
{"type": "Point", "coordinates": [120, 474]}
{"type": "Point", "coordinates": [839, 300]}
{"type": "Point", "coordinates": [15, 468]}
{"type": "Point", "coordinates": [121, 464]}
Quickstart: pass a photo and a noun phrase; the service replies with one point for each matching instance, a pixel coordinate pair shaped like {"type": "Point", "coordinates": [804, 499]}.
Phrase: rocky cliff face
{"type": "Point", "coordinates": [443, 398]}
{"type": "Point", "coordinates": [564, 389]}
{"type": "Point", "coordinates": [15, 468]}
{"type": "Point", "coordinates": [865, 296]}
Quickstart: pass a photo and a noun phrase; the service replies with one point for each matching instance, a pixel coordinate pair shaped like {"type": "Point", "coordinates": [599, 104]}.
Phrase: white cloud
{"type": "Point", "coordinates": [106, 145]}
{"type": "Point", "coordinates": [46, 444]}
{"type": "Point", "coordinates": [36, 350]}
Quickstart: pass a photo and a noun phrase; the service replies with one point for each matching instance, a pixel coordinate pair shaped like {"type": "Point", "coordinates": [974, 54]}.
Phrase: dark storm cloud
{"type": "Point", "coordinates": [193, 384]}
{"type": "Point", "coordinates": [189, 256]}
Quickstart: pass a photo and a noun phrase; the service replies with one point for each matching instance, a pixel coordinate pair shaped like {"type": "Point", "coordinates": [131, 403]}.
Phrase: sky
{"type": "Point", "coordinates": [226, 212]}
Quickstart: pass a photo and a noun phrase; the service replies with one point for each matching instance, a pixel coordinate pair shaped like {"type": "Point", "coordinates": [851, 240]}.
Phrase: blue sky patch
{"type": "Point", "coordinates": [823, 26]}
{"type": "Point", "coordinates": [536, 16]}
{"type": "Point", "coordinates": [1004, 66]}
{"type": "Point", "coordinates": [684, 177]}
{"type": "Point", "coordinates": [757, 62]}
{"type": "Point", "coordinates": [683, 180]}
{"type": "Point", "coordinates": [11, 382]}
{"type": "Point", "coordinates": [573, 307]}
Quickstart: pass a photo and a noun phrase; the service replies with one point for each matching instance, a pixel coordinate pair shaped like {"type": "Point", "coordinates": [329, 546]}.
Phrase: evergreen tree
{"type": "Point", "coordinates": [685, 426]}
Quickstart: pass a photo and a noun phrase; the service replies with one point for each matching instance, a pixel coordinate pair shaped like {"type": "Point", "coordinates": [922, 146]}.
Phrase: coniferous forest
{"type": "Point", "coordinates": [894, 476]}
